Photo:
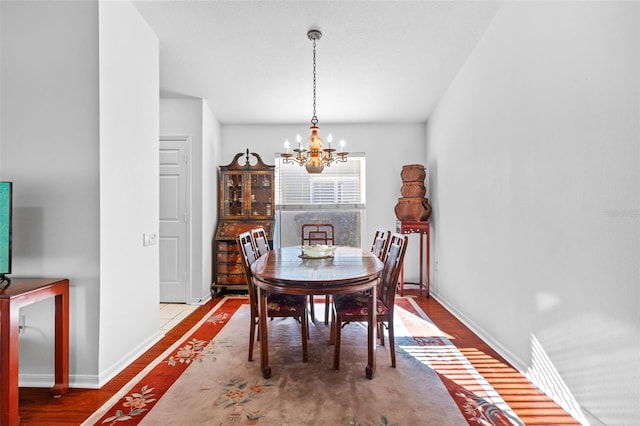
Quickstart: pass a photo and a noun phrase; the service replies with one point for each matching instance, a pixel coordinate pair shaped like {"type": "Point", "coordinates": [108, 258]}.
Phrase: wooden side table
{"type": "Point", "coordinates": [22, 292]}
{"type": "Point", "coordinates": [422, 228]}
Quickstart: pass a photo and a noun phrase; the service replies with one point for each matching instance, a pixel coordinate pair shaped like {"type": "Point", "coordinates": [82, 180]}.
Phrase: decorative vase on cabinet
{"type": "Point", "coordinates": [245, 202]}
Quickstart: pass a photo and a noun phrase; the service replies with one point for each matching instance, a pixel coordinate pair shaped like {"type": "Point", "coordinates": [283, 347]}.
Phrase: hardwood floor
{"type": "Point", "coordinates": [38, 407]}
{"type": "Point", "coordinates": [530, 404]}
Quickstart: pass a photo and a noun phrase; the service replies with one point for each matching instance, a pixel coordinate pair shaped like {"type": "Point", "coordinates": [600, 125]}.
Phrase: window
{"type": "Point", "coordinates": [341, 184]}
{"type": "Point", "coordinates": [337, 195]}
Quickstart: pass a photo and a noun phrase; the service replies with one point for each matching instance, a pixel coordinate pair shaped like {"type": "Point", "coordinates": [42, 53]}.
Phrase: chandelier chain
{"type": "Point", "coordinates": [313, 156]}
{"type": "Point", "coordinates": [314, 119]}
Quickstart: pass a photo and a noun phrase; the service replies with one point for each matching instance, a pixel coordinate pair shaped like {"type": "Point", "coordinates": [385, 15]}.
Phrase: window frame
{"type": "Point", "coordinates": [354, 178]}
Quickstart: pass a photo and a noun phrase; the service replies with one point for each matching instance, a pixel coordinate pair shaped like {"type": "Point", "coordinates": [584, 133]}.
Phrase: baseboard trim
{"type": "Point", "coordinates": [126, 360]}
{"type": "Point", "coordinates": [511, 358]}
{"type": "Point", "coordinates": [84, 381]}
{"type": "Point", "coordinates": [581, 414]}
{"type": "Point", "coordinates": [201, 301]}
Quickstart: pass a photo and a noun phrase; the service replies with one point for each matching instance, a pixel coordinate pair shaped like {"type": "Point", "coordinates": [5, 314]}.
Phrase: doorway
{"type": "Point", "coordinates": [175, 236]}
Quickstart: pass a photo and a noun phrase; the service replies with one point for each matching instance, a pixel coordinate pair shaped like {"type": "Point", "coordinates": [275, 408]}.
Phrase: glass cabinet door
{"type": "Point", "coordinates": [261, 203]}
{"type": "Point", "coordinates": [246, 195]}
{"type": "Point", "coordinates": [233, 193]}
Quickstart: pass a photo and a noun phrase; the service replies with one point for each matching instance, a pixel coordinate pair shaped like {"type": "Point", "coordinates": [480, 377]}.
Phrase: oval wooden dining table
{"type": "Point", "coordinates": [349, 270]}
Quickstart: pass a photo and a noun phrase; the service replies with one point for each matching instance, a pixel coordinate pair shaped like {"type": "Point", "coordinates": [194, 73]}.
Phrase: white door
{"type": "Point", "coordinates": [174, 220]}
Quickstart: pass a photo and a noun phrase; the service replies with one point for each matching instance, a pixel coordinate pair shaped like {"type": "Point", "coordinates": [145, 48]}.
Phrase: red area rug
{"type": "Point", "coordinates": [205, 378]}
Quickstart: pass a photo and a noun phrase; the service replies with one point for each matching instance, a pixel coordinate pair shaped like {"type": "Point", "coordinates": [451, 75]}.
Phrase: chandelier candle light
{"type": "Point", "coordinates": [314, 158]}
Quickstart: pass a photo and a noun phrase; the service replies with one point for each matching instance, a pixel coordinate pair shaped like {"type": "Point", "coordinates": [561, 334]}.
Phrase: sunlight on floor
{"type": "Point", "coordinates": [172, 313]}
{"type": "Point", "coordinates": [543, 374]}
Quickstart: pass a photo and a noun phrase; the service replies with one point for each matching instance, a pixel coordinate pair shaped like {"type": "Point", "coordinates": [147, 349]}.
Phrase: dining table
{"type": "Point", "coordinates": [287, 270]}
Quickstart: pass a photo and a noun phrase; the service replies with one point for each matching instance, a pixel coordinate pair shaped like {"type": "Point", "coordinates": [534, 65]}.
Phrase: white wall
{"type": "Point", "coordinates": [211, 148]}
{"type": "Point", "coordinates": [193, 118]}
{"type": "Point", "coordinates": [93, 120]}
{"type": "Point", "coordinates": [387, 148]}
{"type": "Point", "coordinates": [80, 123]}
{"type": "Point", "coordinates": [535, 165]}
{"type": "Point", "coordinates": [129, 186]}
{"type": "Point", "coordinates": [50, 150]}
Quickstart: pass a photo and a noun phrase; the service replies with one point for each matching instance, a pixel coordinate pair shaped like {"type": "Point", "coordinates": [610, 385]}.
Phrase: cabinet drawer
{"type": "Point", "coordinates": [231, 268]}
{"type": "Point", "coordinates": [230, 257]}
{"type": "Point", "coordinates": [232, 279]}
{"type": "Point", "coordinates": [227, 246]}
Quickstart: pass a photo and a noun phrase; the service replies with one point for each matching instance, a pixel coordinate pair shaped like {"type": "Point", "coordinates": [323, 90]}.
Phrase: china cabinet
{"type": "Point", "coordinates": [245, 201]}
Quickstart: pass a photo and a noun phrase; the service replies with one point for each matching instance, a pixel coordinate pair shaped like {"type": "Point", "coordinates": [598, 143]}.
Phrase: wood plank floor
{"type": "Point", "coordinates": [38, 407]}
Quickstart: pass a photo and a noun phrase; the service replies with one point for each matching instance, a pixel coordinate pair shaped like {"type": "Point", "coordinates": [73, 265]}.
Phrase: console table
{"type": "Point", "coordinates": [422, 228]}
{"type": "Point", "coordinates": [22, 292]}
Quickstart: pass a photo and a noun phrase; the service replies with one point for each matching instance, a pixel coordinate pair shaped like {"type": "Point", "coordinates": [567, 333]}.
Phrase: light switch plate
{"type": "Point", "coordinates": [149, 238]}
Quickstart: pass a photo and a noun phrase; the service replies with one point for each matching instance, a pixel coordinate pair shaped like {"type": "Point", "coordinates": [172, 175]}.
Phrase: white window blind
{"type": "Point", "coordinates": [342, 185]}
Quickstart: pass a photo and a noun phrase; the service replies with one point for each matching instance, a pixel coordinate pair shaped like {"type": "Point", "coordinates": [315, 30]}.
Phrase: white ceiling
{"type": "Point", "coordinates": [377, 61]}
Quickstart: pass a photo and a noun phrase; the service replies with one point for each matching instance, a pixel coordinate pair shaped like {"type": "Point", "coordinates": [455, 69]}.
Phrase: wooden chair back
{"type": "Point", "coordinates": [353, 307]}
{"type": "Point", "coordinates": [317, 233]}
{"type": "Point", "coordinates": [285, 305]}
{"type": "Point", "coordinates": [248, 251]}
{"type": "Point", "coordinates": [392, 265]}
{"type": "Point", "coordinates": [380, 243]}
{"type": "Point", "coordinates": [260, 241]}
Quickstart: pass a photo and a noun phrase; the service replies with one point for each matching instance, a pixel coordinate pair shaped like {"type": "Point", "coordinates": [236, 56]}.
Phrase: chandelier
{"type": "Point", "coordinates": [314, 158]}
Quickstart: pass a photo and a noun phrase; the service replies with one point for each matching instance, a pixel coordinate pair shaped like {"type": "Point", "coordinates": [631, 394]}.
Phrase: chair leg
{"type": "Point", "coordinates": [252, 337]}
{"type": "Point", "coordinates": [381, 333]}
{"type": "Point", "coordinates": [304, 328]}
{"type": "Point", "coordinates": [312, 308]}
{"type": "Point", "coordinates": [336, 347]}
{"type": "Point", "coordinates": [332, 331]}
{"type": "Point", "coordinates": [326, 309]}
{"type": "Point", "coordinates": [392, 342]}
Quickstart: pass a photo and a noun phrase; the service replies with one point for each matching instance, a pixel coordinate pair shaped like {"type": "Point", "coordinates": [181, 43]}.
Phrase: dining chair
{"type": "Point", "coordinates": [261, 243]}
{"type": "Point", "coordinates": [317, 233]}
{"type": "Point", "coordinates": [312, 234]}
{"type": "Point", "coordinates": [355, 307]}
{"type": "Point", "coordinates": [278, 304]}
{"type": "Point", "coordinates": [380, 242]}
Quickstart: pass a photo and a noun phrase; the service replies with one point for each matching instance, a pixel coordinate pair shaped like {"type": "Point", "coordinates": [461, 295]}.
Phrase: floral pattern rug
{"type": "Point", "coordinates": [205, 378]}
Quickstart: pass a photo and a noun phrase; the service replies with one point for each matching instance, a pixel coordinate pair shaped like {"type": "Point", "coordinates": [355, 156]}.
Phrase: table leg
{"type": "Point", "coordinates": [421, 228]}
{"type": "Point", "coordinates": [421, 257]}
{"type": "Point", "coordinates": [373, 326]}
{"type": "Point", "coordinates": [61, 385]}
{"type": "Point", "coordinates": [428, 237]}
{"type": "Point", "coordinates": [8, 364]}
{"type": "Point", "coordinates": [264, 335]}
